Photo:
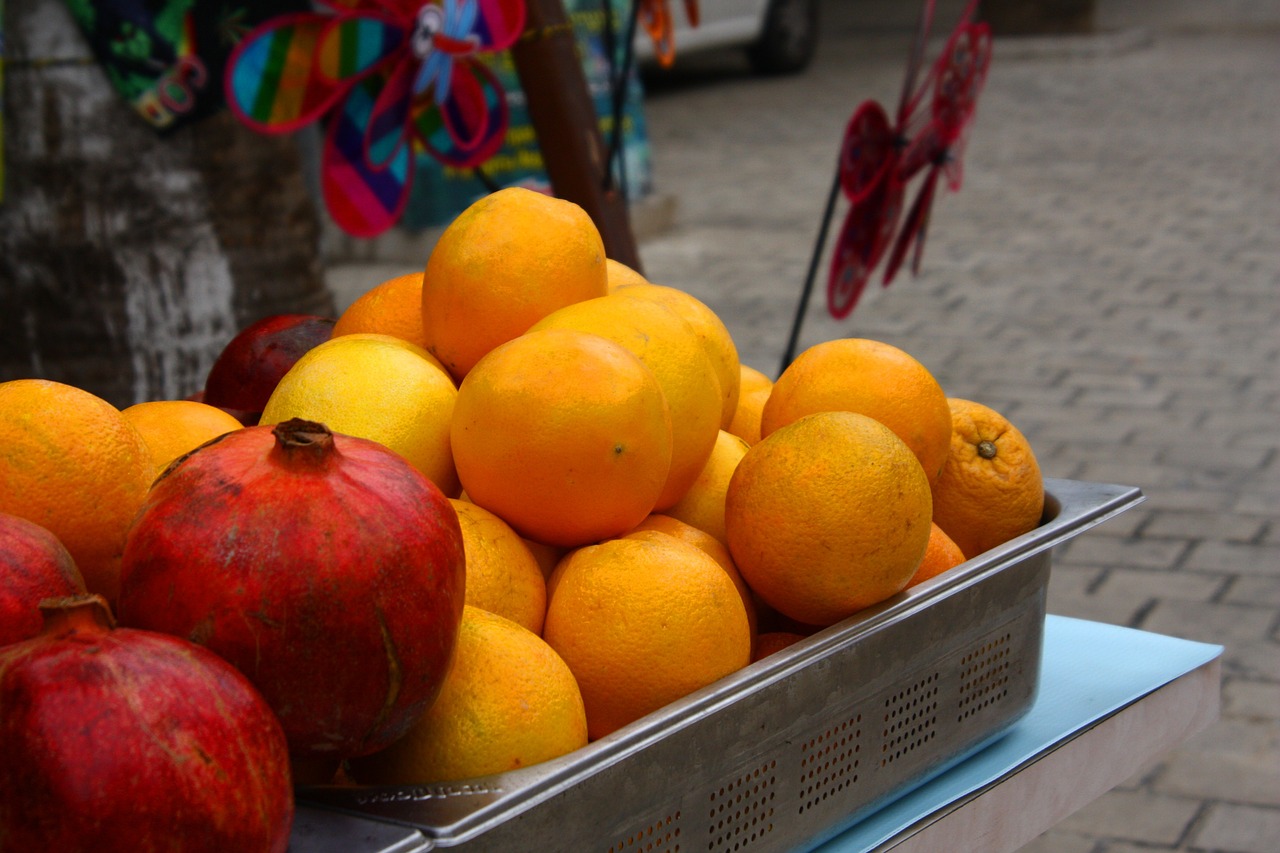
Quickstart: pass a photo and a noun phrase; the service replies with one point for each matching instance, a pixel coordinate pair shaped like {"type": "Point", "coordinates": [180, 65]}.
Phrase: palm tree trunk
{"type": "Point", "coordinates": [128, 260]}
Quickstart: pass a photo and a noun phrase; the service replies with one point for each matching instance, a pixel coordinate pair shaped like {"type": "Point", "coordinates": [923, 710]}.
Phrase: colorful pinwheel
{"type": "Point", "coordinates": [878, 160]}
{"type": "Point", "coordinates": [387, 77]}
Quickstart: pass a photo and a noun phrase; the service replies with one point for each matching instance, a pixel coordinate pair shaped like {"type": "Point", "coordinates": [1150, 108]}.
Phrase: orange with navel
{"type": "Point", "coordinates": [990, 489]}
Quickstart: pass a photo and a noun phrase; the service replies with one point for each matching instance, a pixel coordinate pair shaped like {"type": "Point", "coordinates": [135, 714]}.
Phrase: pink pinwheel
{"type": "Point", "coordinates": [878, 160]}
{"type": "Point", "coordinates": [387, 77]}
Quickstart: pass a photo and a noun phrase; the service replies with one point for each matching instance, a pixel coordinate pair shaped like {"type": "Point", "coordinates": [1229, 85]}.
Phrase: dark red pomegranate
{"type": "Point", "coordinates": [251, 365]}
{"type": "Point", "coordinates": [34, 566]}
{"type": "Point", "coordinates": [325, 567]}
{"type": "Point", "coordinates": [130, 741]}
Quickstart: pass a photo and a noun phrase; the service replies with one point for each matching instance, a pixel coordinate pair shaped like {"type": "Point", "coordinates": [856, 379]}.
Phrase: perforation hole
{"type": "Point", "coordinates": [741, 811]}
{"type": "Point", "coordinates": [984, 676]}
{"type": "Point", "coordinates": [829, 762]}
{"type": "Point", "coordinates": [662, 836]}
{"type": "Point", "coordinates": [910, 719]}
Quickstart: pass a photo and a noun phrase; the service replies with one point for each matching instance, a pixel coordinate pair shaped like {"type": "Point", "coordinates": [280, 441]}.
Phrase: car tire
{"type": "Point", "coordinates": [789, 38]}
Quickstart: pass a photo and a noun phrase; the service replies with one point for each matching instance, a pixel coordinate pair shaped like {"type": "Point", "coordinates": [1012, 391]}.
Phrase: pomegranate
{"type": "Point", "coordinates": [125, 740]}
{"type": "Point", "coordinates": [325, 567]}
{"type": "Point", "coordinates": [34, 565]}
{"type": "Point", "coordinates": [250, 366]}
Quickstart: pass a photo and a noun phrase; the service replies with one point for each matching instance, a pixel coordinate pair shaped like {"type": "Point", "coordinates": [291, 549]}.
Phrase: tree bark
{"type": "Point", "coordinates": [128, 260]}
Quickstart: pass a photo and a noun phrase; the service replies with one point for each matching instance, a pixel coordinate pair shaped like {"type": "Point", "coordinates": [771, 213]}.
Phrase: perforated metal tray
{"type": "Point", "coordinates": [777, 756]}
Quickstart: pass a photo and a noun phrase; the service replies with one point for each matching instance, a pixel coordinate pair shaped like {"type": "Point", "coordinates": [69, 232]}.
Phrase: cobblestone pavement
{"type": "Point", "coordinates": [1108, 276]}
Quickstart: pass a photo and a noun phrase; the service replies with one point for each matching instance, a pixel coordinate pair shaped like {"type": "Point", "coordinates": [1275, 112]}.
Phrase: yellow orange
{"type": "Point", "coordinates": [871, 378]}
{"type": "Point", "coordinates": [508, 702]}
{"type": "Point", "coordinates": [619, 275]}
{"type": "Point", "coordinates": [990, 489]}
{"type": "Point", "coordinates": [941, 554]}
{"type": "Point", "coordinates": [73, 464]}
{"type": "Point", "coordinates": [376, 387]}
{"type": "Point", "coordinates": [504, 263]}
{"type": "Point", "coordinates": [393, 307]}
{"type": "Point", "coordinates": [664, 525]}
{"type": "Point", "coordinates": [746, 418]}
{"type": "Point", "coordinates": [503, 577]}
{"type": "Point", "coordinates": [712, 333]}
{"type": "Point", "coordinates": [642, 623]}
{"type": "Point", "coordinates": [703, 504]}
{"type": "Point", "coordinates": [669, 347]}
{"type": "Point", "coordinates": [828, 515]}
{"type": "Point", "coordinates": [750, 379]}
{"type": "Point", "coordinates": [564, 435]}
{"type": "Point", "coordinates": [174, 427]}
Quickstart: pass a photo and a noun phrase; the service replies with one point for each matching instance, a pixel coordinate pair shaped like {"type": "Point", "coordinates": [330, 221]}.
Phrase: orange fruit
{"type": "Point", "coordinates": [990, 489]}
{"type": "Point", "coordinates": [828, 515]}
{"type": "Point", "coordinates": [664, 525]}
{"type": "Point", "coordinates": [871, 378]}
{"type": "Point", "coordinates": [619, 275]}
{"type": "Point", "coordinates": [546, 555]}
{"type": "Point", "coordinates": [669, 347]}
{"type": "Point", "coordinates": [750, 379]}
{"type": "Point", "coordinates": [172, 428]}
{"type": "Point", "coordinates": [564, 435]}
{"type": "Point", "coordinates": [642, 623]}
{"type": "Point", "coordinates": [73, 464]}
{"type": "Point", "coordinates": [773, 641]}
{"type": "Point", "coordinates": [509, 701]}
{"type": "Point", "coordinates": [376, 387]}
{"type": "Point", "coordinates": [746, 418]}
{"type": "Point", "coordinates": [504, 263]}
{"type": "Point", "coordinates": [393, 307]}
{"type": "Point", "coordinates": [712, 334]}
{"type": "Point", "coordinates": [503, 577]}
{"type": "Point", "coordinates": [941, 554]}
{"type": "Point", "coordinates": [703, 503]}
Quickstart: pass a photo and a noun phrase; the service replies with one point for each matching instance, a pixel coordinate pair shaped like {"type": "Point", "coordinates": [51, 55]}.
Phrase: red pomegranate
{"type": "Point", "coordinates": [251, 365]}
{"type": "Point", "coordinates": [324, 567]}
{"type": "Point", "coordinates": [34, 565]}
{"type": "Point", "coordinates": [124, 740]}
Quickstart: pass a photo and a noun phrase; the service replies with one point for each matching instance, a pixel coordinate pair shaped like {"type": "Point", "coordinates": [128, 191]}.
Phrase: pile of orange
{"type": "Point", "coordinates": [642, 513]}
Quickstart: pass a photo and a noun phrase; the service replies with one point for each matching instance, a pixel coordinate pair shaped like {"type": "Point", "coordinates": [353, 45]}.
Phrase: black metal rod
{"type": "Point", "coordinates": [803, 307]}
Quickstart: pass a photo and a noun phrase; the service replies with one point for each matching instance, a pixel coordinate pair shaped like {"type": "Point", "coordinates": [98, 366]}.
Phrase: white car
{"type": "Point", "coordinates": [779, 36]}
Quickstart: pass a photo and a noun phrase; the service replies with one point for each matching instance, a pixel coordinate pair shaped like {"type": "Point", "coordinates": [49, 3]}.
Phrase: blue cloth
{"type": "Point", "coordinates": [1088, 671]}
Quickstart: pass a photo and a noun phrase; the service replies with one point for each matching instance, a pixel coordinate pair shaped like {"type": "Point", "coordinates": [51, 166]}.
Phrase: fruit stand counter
{"type": "Point", "coordinates": [1108, 700]}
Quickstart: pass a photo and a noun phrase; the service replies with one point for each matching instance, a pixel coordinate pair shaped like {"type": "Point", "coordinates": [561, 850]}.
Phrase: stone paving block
{"type": "Point", "coordinates": [1132, 553]}
{"type": "Point", "coordinates": [1226, 624]}
{"type": "Point", "coordinates": [1234, 558]}
{"type": "Point", "coordinates": [1250, 699]}
{"type": "Point", "coordinates": [1232, 828]}
{"type": "Point", "coordinates": [1202, 524]}
{"type": "Point", "coordinates": [1235, 760]}
{"type": "Point", "coordinates": [1143, 584]}
{"type": "Point", "coordinates": [1260, 590]}
{"type": "Point", "coordinates": [1135, 815]}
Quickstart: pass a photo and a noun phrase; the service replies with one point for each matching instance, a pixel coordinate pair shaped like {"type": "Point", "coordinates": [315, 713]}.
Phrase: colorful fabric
{"type": "Point", "coordinates": [166, 57]}
{"type": "Point", "coordinates": [387, 77]}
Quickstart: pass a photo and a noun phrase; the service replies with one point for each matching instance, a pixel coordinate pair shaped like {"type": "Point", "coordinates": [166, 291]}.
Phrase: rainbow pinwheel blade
{"type": "Point", "coordinates": [362, 200]}
{"type": "Point", "coordinates": [270, 84]}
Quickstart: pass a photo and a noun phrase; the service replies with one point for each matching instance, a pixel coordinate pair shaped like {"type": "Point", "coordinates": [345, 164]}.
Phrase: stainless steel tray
{"type": "Point", "coordinates": [777, 756]}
